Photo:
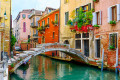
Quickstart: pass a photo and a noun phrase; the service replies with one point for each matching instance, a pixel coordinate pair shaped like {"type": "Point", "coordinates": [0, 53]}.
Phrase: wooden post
{"type": "Point", "coordinates": [116, 59]}
{"type": "Point", "coordinates": [102, 60]}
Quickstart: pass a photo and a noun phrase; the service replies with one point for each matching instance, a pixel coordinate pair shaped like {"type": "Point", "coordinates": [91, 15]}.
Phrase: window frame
{"type": "Point", "coordinates": [66, 1]}
{"type": "Point", "coordinates": [65, 17]}
{"type": "Point", "coordinates": [53, 35]}
{"type": "Point", "coordinates": [110, 40]}
{"type": "Point", "coordinates": [114, 15]}
{"type": "Point", "coordinates": [56, 18]}
{"type": "Point", "coordinates": [23, 15]}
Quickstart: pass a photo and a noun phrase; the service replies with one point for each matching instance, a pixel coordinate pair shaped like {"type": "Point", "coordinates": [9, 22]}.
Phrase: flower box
{"type": "Point", "coordinates": [113, 23]}
{"type": "Point", "coordinates": [96, 1]}
{"type": "Point", "coordinates": [96, 26]}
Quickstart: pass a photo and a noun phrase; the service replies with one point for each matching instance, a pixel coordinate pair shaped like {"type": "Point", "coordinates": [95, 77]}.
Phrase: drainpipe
{"type": "Point", "coordinates": [59, 23]}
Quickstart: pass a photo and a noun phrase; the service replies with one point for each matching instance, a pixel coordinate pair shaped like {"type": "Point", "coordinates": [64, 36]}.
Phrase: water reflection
{"type": "Point", "coordinates": [43, 68]}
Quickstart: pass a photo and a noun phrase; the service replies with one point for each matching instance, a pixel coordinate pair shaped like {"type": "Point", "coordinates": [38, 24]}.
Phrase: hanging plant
{"type": "Point", "coordinates": [82, 22]}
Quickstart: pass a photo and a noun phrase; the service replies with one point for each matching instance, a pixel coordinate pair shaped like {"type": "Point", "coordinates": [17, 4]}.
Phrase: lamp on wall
{"type": "Point", "coordinates": [5, 15]}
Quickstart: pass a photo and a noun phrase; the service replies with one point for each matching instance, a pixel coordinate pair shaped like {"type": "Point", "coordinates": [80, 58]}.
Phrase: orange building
{"type": "Point", "coordinates": [49, 29]}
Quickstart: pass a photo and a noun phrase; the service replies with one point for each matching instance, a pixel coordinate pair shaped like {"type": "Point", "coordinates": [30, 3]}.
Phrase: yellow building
{"type": "Point", "coordinates": [5, 26]}
{"type": "Point", "coordinates": [77, 40]}
{"type": "Point", "coordinates": [34, 17]}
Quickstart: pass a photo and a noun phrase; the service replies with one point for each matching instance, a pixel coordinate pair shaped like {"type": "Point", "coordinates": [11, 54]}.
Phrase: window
{"type": "Point", "coordinates": [77, 10]}
{"type": "Point", "coordinates": [98, 18]}
{"type": "Point", "coordinates": [44, 22]}
{"type": "Point", "coordinates": [56, 17]}
{"type": "Point", "coordinates": [48, 20]}
{"type": "Point", "coordinates": [23, 16]}
{"type": "Point", "coordinates": [49, 10]}
{"type": "Point", "coordinates": [28, 16]}
{"type": "Point", "coordinates": [37, 19]}
{"type": "Point", "coordinates": [113, 40]}
{"type": "Point", "coordinates": [53, 35]}
{"type": "Point", "coordinates": [114, 13]}
{"type": "Point", "coordinates": [85, 8]}
{"type": "Point", "coordinates": [78, 36]}
{"type": "Point", "coordinates": [85, 35]}
{"type": "Point", "coordinates": [36, 31]}
{"type": "Point", "coordinates": [24, 27]}
{"type": "Point", "coordinates": [78, 44]}
{"type": "Point", "coordinates": [66, 17]}
{"type": "Point", "coordinates": [66, 1]}
{"type": "Point", "coordinates": [39, 25]}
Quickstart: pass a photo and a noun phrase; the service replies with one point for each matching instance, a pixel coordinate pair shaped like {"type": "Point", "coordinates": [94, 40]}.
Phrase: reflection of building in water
{"type": "Point", "coordinates": [61, 70]}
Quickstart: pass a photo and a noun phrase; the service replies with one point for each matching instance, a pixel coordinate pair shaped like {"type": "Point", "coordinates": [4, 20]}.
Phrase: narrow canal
{"type": "Point", "coordinates": [43, 68]}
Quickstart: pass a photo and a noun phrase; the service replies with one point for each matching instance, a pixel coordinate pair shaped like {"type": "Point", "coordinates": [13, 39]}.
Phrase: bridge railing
{"type": "Point", "coordinates": [55, 45]}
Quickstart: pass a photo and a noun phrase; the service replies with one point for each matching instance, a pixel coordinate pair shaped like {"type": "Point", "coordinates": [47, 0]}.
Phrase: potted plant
{"type": "Point", "coordinates": [112, 47]}
{"type": "Point", "coordinates": [113, 23]}
{"type": "Point", "coordinates": [47, 26]}
{"type": "Point", "coordinates": [96, 26]}
{"type": "Point", "coordinates": [41, 29]}
{"type": "Point", "coordinates": [55, 23]}
{"type": "Point", "coordinates": [96, 0]}
{"type": "Point", "coordinates": [70, 23]}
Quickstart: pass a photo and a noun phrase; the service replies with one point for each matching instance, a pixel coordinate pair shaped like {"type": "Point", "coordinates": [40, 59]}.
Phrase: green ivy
{"type": "Point", "coordinates": [13, 41]}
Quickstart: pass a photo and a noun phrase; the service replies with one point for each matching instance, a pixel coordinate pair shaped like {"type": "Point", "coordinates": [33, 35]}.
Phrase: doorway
{"type": "Point", "coordinates": [98, 48]}
{"type": "Point", "coordinates": [86, 48]}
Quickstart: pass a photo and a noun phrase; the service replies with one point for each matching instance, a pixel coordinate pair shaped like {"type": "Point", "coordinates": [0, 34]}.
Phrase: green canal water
{"type": "Point", "coordinates": [43, 68]}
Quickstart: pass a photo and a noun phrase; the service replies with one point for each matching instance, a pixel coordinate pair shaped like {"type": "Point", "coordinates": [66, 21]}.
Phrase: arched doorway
{"type": "Point", "coordinates": [66, 42]}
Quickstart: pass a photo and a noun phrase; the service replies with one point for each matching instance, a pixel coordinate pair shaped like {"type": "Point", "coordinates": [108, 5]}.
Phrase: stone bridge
{"type": "Point", "coordinates": [42, 48]}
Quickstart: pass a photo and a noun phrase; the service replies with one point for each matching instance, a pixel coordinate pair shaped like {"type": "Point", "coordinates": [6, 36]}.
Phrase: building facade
{"type": "Point", "coordinates": [22, 27]}
{"type": "Point", "coordinates": [5, 27]}
{"type": "Point", "coordinates": [79, 40]}
{"type": "Point", "coordinates": [49, 29]}
{"type": "Point", "coordinates": [107, 37]}
{"type": "Point", "coordinates": [34, 17]}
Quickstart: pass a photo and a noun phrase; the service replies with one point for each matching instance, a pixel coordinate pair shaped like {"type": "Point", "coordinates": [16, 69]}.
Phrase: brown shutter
{"type": "Point", "coordinates": [89, 6]}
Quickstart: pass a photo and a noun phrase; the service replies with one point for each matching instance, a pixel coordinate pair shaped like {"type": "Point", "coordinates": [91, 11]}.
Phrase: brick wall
{"type": "Point", "coordinates": [25, 46]}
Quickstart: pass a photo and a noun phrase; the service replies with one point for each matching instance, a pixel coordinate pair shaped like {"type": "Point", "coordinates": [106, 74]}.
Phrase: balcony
{"type": "Point", "coordinates": [41, 29]}
{"type": "Point", "coordinates": [35, 36]}
{"type": "Point", "coordinates": [33, 25]}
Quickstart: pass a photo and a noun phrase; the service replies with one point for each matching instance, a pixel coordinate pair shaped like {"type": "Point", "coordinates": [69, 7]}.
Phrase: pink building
{"type": "Point", "coordinates": [107, 37]}
{"type": "Point", "coordinates": [22, 26]}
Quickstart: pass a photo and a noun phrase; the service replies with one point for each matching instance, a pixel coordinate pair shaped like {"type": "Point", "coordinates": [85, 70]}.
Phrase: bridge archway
{"type": "Point", "coordinates": [42, 48]}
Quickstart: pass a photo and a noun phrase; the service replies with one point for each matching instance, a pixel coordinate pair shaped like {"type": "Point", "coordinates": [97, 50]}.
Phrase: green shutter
{"type": "Point", "coordinates": [89, 6]}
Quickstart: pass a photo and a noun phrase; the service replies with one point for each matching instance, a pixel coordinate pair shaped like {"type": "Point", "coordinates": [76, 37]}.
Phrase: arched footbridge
{"type": "Point", "coordinates": [19, 59]}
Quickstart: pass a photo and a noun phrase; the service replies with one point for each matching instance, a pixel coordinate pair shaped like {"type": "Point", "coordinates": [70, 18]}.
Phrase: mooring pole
{"type": "Point", "coordinates": [116, 60]}
{"type": "Point", "coordinates": [102, 60]}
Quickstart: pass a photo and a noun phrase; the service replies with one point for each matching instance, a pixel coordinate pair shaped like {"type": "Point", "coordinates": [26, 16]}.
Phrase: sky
{"type": "Point", "coordinates": [19, 5]}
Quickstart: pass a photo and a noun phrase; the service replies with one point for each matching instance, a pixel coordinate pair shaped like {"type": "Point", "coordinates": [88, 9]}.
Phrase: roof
{"type": "Point", "coordinates": [36, 13]}
{"type": "Point", "coordinates": [49, 14]}
{"type": "Point", "coordinates": [50, 8]}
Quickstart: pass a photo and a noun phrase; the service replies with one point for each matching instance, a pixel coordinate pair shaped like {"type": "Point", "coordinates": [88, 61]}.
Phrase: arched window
{"type": "Point", "coordinates": [24, 27]}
